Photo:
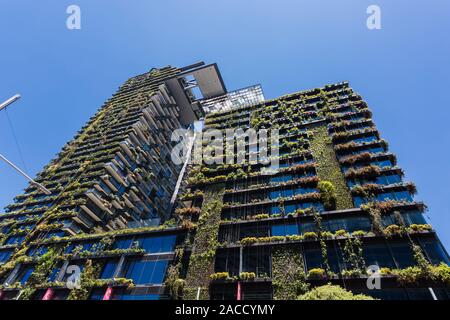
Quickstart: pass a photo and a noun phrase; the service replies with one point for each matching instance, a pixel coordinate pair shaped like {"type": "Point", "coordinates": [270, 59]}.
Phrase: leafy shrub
{"type": "Point", "coordinates": [294, 238]}
{"type": "Point", "coordinates": [316, 273]}
{"type": "Point", "coordinates": [327, 194]}
{"type": "Point", "coordinates": [261, 216]}
{"type": "Point", "coordinates": [326, 235]}
{"type": "Point", "coordinates": [310, 235]}
{"type": "Point", "coordinates": [359, 233]}
{"type": "Point", "coordinates": [249, 241]}
{"type": "Point", "coordinates": [220, 276]}
{"type": "Point", "coordinates": [332, 292]}
{"type": "Point", "coordinates": [341, 233]}
{"type": "Point", "coordinates": [247, 276]}
{"type": "Point", "coordinates": [385, 271]}
{"type": "Point", "coordinates": [351, 273]}
{"type": "Point", "coordinates": [420, 227]}
{"type": "Point", "coordinates": [392, 229]}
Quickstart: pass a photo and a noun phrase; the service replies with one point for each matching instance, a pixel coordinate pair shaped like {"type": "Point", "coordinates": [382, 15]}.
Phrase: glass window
{"type": "Point", "coordinates": [412, 217]}
{"type": "Point", "coordinates": [123, 243]}
{"type": "Point", "coordinates": [383, 163]}
{"type": "Point", "coordinates": [139, 297]}
{"type": "Point", "coordinates": [378, 254]}
{"type": "Point", "coordinates": [25, 274]}
{"type": "Point", "coordinates": [60, 294]}
{"type": "Point", "coordinates": [307, 227]}
{"type": "Point", "coordinates": [285, 229]}
{"type": "Point", "coordinates": [335, 259]}
{"type": "Point", "coordinates": [288, 193]}
{"type": "Point", "coordinates": [275, 210]}
{"type": "Point", "coordinates": [313, 258]}
{"type": "Point", "coordinates": [53, 274]}
{"type": "Point", "coordinates": [5, 255]}
{"type": "Point", "coordinates": [435, 251]}
{"type": "Point", "coordinates": [37, 251]}
{"type": "Point", "coordinates": [15, 240]}
{"type": "Point", "coordinates": [402, 254]}
{"type": "Point", "coordinates": [146, 271]}
{"type": "Point", "coordinates": [157, 244]}
{"type": "Point", "coordinates": [258, 230]}
{"type": "Point", "coordinates": [419, 294]}
{"type": "Point", "coordinates": [109, 269]}
{"type": "Point", "coordinates": [227, 260]}
{"type": "Point", "coordinates": [97, 294]}
{"type": "Point", "coordinates": [290, 208]}
{"type": "Point", "coordinates": [274, 194]}
{"type": "Point", "coordinates": [256, 260]}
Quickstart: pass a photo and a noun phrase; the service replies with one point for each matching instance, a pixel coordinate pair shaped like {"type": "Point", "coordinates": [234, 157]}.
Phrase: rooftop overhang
{"type": "Point", "coordinates": [206, 78]}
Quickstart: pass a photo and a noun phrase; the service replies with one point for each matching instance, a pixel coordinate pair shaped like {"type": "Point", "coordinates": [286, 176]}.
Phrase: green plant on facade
{"type": "Point", "coordinates": [173, 281]}
{"type": "Point", "coordinates": [316, 273]}
{"type": "Point", "coordinates": [332, 292]}
{"type": "Point", "coordinates": [41, 271]}
{"type": "Point", "coordinates": [201, 263]}
{"type": "Point", "coordinates": [90, 272]}
{"type": "Point", "coordinates": [288, 274]}
{"type": "Point", "coordinates": [353, 255]}
{"type": "Point", "coordinates": [323, 245]}
{"type": "Point", "coordinates": [247, 276]}
{"type": "Point", "coordinates": [422, 271]}
{"type": "Point", "coordinates": [327, 194]}
{"type": "Point", "coordinates": [220, 276]}
{"type": "Point", "coordinates": [328, 168]}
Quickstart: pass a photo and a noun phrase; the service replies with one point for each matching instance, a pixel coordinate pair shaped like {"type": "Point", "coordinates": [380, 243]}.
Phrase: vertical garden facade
{"type": "Point", "coordinates": [106, 220]}
{"type": "Point", "coordinates": [337, 205]}
{"type": "Point", "coordinates": [135, 225]}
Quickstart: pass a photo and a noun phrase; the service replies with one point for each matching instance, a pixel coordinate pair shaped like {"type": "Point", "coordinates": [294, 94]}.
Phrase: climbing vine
{"type": "Point", "coordinates": [353, 255]}
{"type": "Point", "coordinates": [323, 245]}
{"type": "Point", "coordinates": [87, 279]}
{"type": "Point", "coordinates": [173, 281]}
{"type": "Point", "coordinates": [39, 276]}
{"type": "Point", "coordinates": [201, 263]}
{"type": "Point", "coordinates": [288, 274]}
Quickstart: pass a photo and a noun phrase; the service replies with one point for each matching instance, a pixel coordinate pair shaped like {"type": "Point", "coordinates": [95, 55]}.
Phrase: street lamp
{"type": "Point", "coordinates": [9, 101]}
{"type": "Point", "coordinates": [40, 186]}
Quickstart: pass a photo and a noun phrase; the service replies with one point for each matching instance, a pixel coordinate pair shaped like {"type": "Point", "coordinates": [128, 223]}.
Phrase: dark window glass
{"type": "Point", "coordinates": [5, 255]}
{"type": "Point", "coordinates": [122, 243]}
{"type": "Point", "coordinates": [97, 294]}
{"type": "Point", "coordinates": [435, 251]}
{"type": "Point", "coordinates": [146, 271]}
{"type": "Point", "coordinates": [313, 258]}
{"type": "Point", "coordinates": [15, 240]}
{"type": "Point", "coordinates": [378, 254]}
{"type": "Point", "coordinates": [257, 260]}
{"type": "Point", "coordinates": [157, 244]}
{"type": "Point", "coordinates": [285, 229]}
{"type": "Point", "coordinates": [25, 274]}
{"type": "Point", "coordinates": [109, 269]}
{"type": "Point", "coordinates": [227, 260]}
{"type": "Point", "coordinates": [402, 254]}
{"type": "Point", "coordinates": [139, 297]}
{"type": "Point", "coordinates": [307, 227]}
{"type": "Point", "coordinates": [419, 294]}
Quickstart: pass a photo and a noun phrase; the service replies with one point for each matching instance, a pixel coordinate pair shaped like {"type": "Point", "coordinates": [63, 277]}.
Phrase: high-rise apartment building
{"type": "Point", "coordinates": [134, 225]}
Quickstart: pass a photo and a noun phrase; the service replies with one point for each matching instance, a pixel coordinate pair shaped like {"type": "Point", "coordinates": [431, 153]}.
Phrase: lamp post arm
{"type": "Point", "coordinates": [40, 186]}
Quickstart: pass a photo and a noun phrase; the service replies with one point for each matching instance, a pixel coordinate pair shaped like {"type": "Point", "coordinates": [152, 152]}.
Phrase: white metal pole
{"type": "Point", "coordinates": [432, 293]}
{"type": "Point", "coordinates": [40, 186]}
{"type": "Point", "coordinates": [9, 101]}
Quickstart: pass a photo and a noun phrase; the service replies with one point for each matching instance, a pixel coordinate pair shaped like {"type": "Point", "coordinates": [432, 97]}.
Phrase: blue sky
{"type": "Point", "coordinates": [402, 70]}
